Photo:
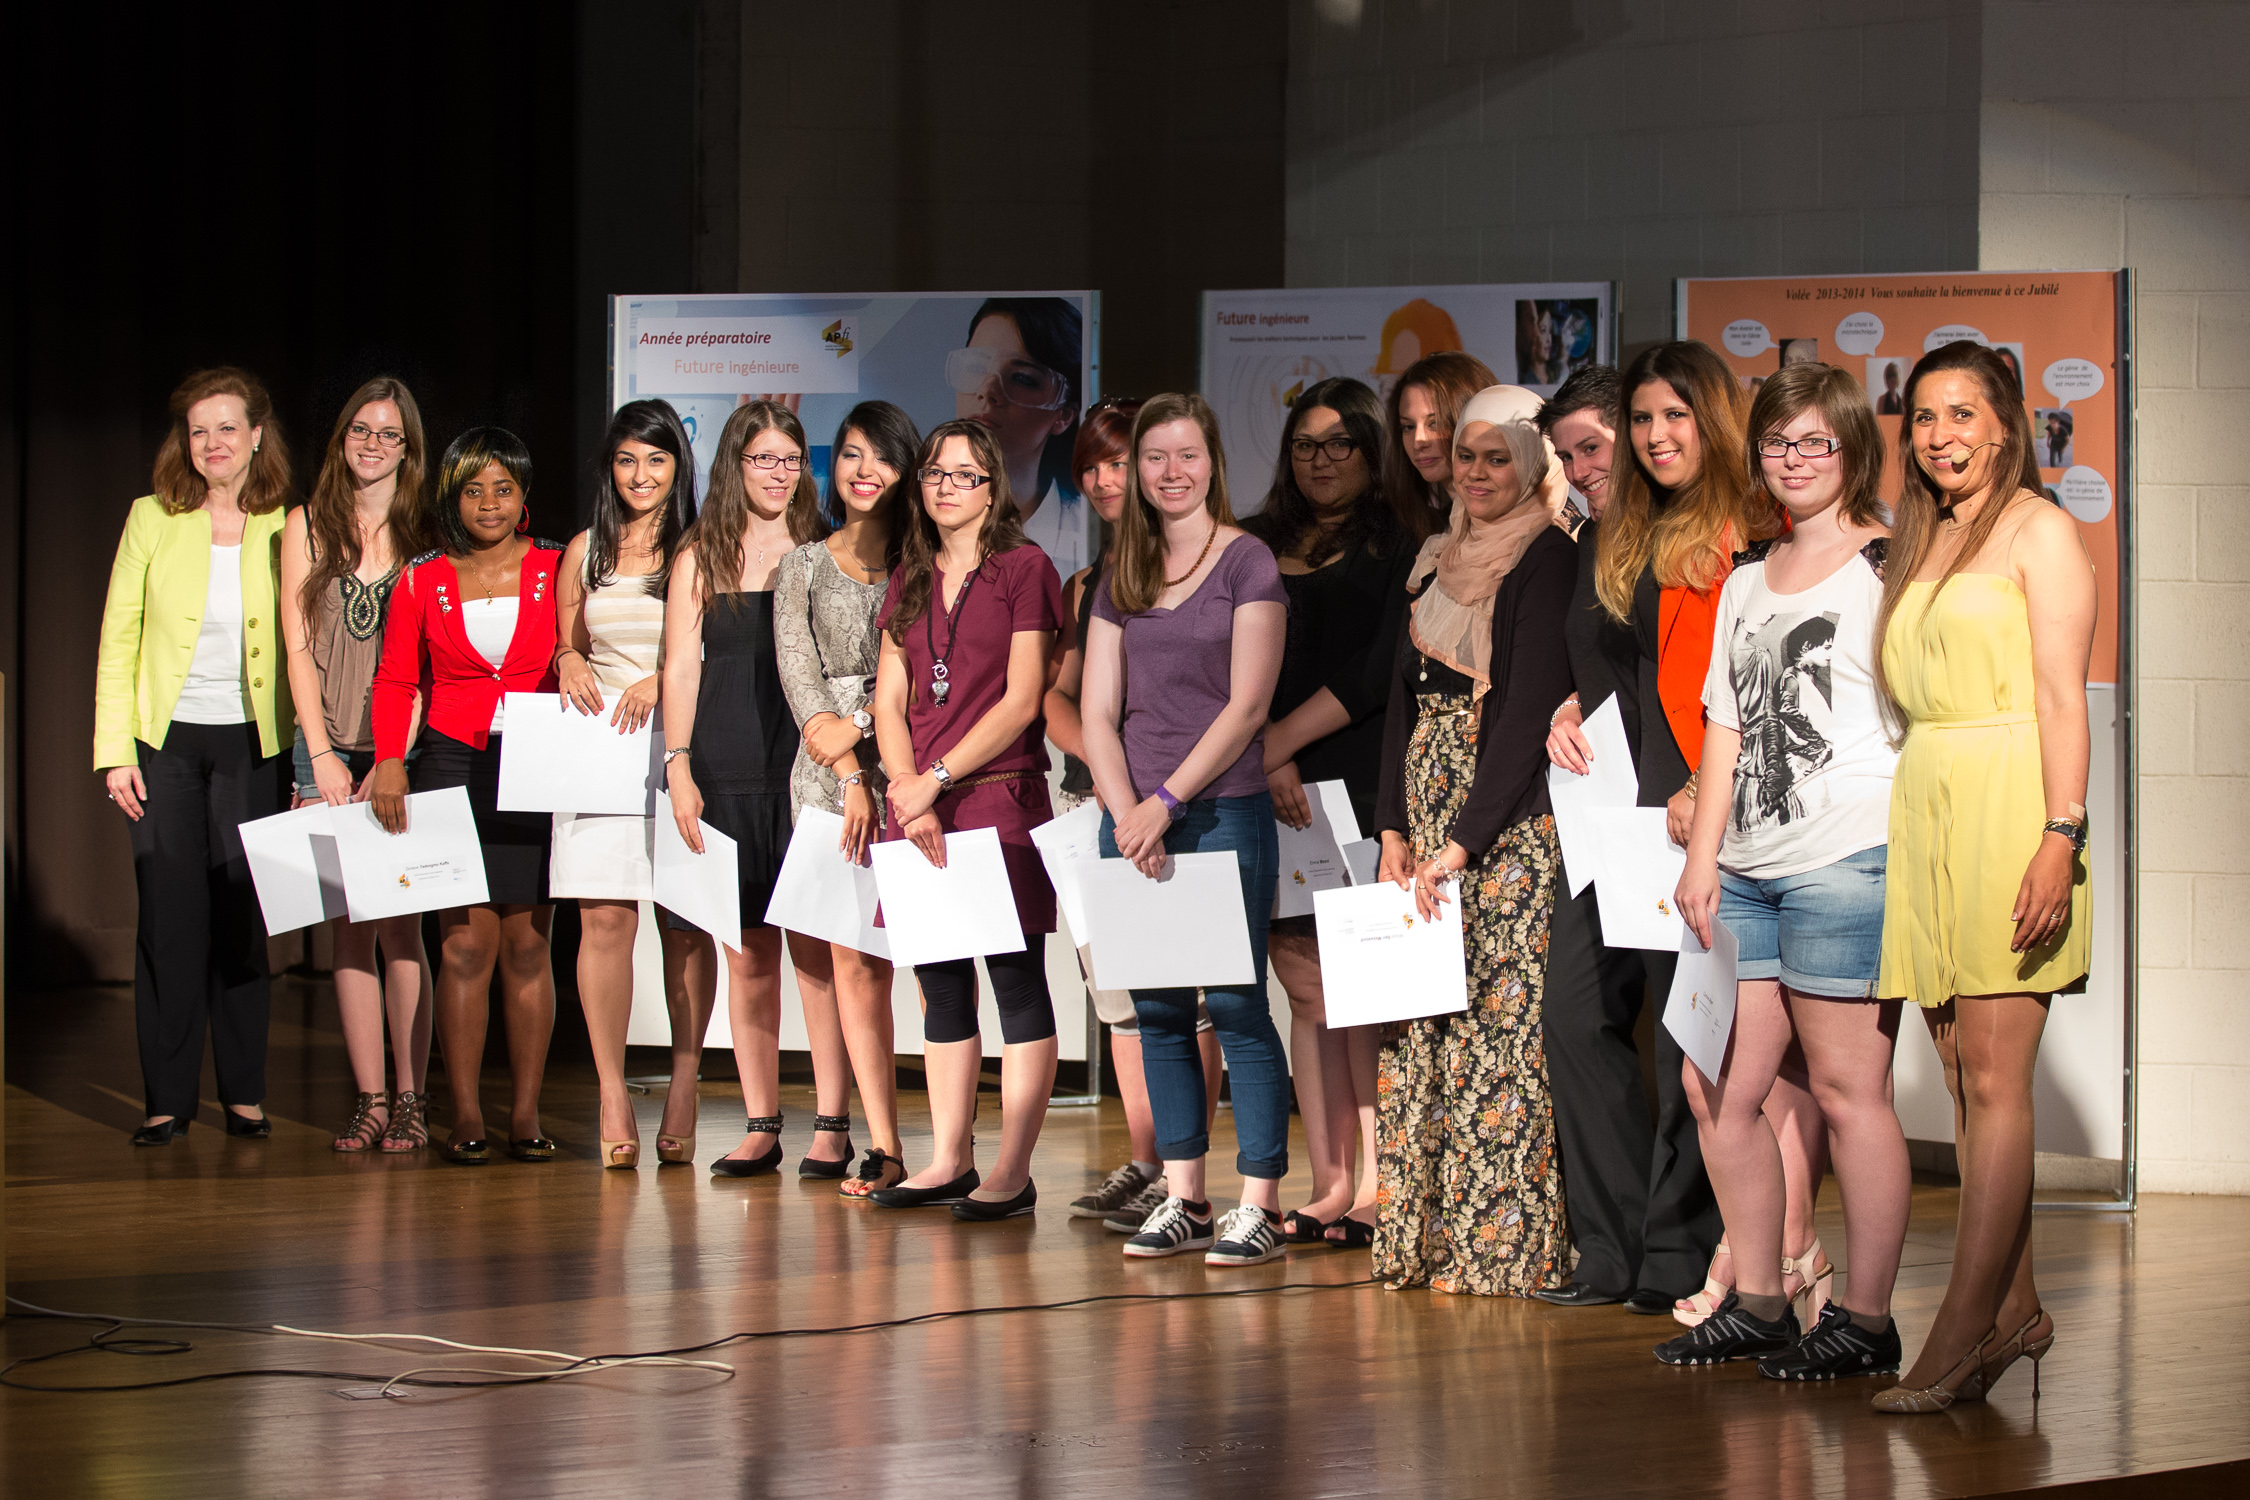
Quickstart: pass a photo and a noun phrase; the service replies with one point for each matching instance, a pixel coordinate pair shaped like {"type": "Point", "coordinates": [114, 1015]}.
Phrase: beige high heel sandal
{"type": "Point", "coordinates": [1819, 1282]}
{"type": "Point", "coordinates": [2025, 1343]}
{"type": "Point", "coordinates": [675, 1150]}
{"type": "Point", "coordinates": [1694, 1308]}
{"type": "Point", "coordinates": [1964, 1382]}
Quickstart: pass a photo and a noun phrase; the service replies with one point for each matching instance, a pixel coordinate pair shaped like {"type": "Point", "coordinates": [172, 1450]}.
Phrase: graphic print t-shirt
{"type": "Point", "coordinates": [1795, 674]}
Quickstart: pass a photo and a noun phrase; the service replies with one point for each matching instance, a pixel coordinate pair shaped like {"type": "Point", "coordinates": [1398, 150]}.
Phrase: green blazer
{"type": "Point", "coordinates": [149, 626]}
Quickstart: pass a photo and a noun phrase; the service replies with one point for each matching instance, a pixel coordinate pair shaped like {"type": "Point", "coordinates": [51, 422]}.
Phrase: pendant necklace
{"type": "Point", "coordinates": [939, 686]}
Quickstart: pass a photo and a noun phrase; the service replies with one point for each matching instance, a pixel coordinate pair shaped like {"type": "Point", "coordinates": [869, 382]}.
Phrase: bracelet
{"type": "Point", "coordinates": [674, 750]}
{"type": "Point", "coordinates": [1172, 805]}
{"type": "Point", "coordinates": [317, 754]}
{"type": "Point", "coordinates": [1690, 787]}
{"type": "Point", "coordinates": [1556, 717]}
{"type": "Point", "coordinates": [857, 778]}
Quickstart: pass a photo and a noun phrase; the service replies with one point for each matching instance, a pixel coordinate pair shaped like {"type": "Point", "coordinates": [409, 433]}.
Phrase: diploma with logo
{"type": "Point", "coordinates": [1640, 869]}
{"type": "Point", "coordinates": [1312, 857]}
{"type": "Point", "coordinates": [1700, 1012]}
{"type": "Point", "coordinates": [437, 863]}
{"type": "Point", "coordinates": [1380, 960]}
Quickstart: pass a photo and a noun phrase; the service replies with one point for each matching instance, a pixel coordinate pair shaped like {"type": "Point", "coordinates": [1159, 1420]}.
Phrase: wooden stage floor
{"type": "Point", "coordinates": [1350, 1390]}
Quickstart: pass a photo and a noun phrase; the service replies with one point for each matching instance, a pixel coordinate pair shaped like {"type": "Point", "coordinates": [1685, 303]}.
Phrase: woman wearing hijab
{"type": "Point", "coordinates": [1469, 1188]}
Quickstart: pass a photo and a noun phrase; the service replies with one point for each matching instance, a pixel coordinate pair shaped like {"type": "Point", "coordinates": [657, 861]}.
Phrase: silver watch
{"type": "Point", "coordinates": [940, 774]}
{"type": "Point", "coordinates": [863, 721]}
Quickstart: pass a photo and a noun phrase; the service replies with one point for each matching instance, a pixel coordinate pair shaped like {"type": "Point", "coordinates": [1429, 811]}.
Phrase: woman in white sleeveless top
{"type": "Point", "coordinates": [611, 629]}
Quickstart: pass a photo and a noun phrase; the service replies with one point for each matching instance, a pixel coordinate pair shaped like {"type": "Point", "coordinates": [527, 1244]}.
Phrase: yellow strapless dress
{"type": "Point", "coordinates": [1967, 804]}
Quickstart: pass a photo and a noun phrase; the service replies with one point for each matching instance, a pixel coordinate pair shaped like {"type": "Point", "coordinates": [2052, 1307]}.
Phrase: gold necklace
{"type": "Point", "coordinates": [1173, 583]}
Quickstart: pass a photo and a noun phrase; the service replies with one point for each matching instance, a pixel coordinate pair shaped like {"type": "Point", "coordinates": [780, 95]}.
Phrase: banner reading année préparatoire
{"type": "Point", "coordinates": [1026, 364]}
{"type": "Point", "coordinates": [1260, 348]}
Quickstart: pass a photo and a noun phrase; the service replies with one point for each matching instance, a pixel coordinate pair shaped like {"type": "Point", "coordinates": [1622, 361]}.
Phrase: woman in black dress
{"type": "Point", "coordinates": [729, 737]}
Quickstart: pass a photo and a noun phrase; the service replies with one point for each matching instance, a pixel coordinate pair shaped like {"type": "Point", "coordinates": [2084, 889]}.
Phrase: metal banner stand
{"type": "Point", "coordinates": [1092, 1098]}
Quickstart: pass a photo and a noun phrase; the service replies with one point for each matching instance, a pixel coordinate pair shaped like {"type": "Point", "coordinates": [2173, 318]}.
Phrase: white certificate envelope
{"type": "Point", "coordinates": [1312, 857]}
{"type": "Point", "coordinates": [294, 865]}
{"type": "Point", "coordinates": [1700, 1012]}
{"type": "Point", "coordinates": [1062, 842]}
{"type": "Point", "coordinates": [555, 759]}
{"type": "Point", "coordinates": [821, 893]}
{"type": "Point", "coordinates": [1188, 928]}
{"type": "Point", "coordinates": [1639, 869]}
{"type": "Point", "coordinates": [1609, 782]}
{"type": "Point", "coordinates": [1380, 961]}
{"type": "Point", "coordinates": [436, 864]}
{"type": "Point", "coordinates": [962, 911]}
{"type": "Point", "coordinates": [704, 888]}
{"type": "Point", "coordinates": [1360, 859]}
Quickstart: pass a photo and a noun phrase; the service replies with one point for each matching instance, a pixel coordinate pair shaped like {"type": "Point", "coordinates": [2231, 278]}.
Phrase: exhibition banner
{"type": "Point", "coordinates": [1026, 364]}
{"type": "Point", "coordinates": [1259, 349]}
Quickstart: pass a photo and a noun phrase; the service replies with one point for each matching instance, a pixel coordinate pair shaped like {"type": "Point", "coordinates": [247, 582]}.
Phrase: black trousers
{"type": "Point", "coordinates": [201, 948]}
{"type": "Point", "coordinates": [1641, 1208]}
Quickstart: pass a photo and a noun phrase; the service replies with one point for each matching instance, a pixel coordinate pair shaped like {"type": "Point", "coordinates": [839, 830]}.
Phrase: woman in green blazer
{"type": "Point", "coordinates": [192, 729]}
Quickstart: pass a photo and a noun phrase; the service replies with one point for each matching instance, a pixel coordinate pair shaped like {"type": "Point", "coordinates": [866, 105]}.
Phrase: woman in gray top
{"type": "Point", "coordinates": [826, 596]}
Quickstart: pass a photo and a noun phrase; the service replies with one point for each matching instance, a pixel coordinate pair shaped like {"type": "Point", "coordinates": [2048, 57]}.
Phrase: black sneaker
{"type": "Point", "coordinates": [1837, 1347]}
{"type": "Point", "coordinates": [1169, 1231]}
{"type": "Point", "coordinates": [1130, 1218]}
{"type": "Point", "coordinates": [1731, 1333]}
{"type": "Point", "coordinates": [1122, 1187]}
{"type": "Point", "coordinates": [1247, 1237]}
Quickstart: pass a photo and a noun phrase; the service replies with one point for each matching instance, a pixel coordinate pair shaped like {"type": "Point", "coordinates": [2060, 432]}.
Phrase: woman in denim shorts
{"type": "Point", "coordinates": [1792, 816]}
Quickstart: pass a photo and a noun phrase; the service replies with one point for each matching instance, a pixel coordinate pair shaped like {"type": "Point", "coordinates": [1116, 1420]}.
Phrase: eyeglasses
{"type": "Point", "coordinates": [389, 437]}
{"type": "Point", "coordinates": [963, 479]}
{"type": "Point", "coordinates": [769, 461]}
{"type": "Point", "coordinates": [1816, 446]}
{"type": "Point", "coordinates": [1338, 449]}
{"type": "Point", "coordinates": [1020, 382]}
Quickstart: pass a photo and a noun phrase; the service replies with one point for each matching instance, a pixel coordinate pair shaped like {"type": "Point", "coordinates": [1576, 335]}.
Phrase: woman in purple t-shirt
{"type": "Point", "coordinates": [1181, 659]}
{"type": "Point", "coordinates": [968, 625]}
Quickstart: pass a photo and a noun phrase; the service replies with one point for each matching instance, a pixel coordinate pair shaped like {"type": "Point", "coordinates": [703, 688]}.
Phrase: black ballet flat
{"type": "Point", "coordinates": [930, 1197]}
{"type": "Point", "coordinates": [832, 1171]}
{"type": "Point", "coordinates": [161, 1133]}
{"type": "Point", "coordinates": [533, 1148]}
{"type": "Point", "coordinates": [763, 1165]}
{"type": "Point", "coordinates": [986, 1211]}
{"type": "Point", "coordinates": [245, 1127]}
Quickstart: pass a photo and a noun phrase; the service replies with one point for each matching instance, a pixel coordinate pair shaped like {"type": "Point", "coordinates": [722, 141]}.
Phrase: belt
{"type": "Point", "coordinates": [1974, 721]}
{"type": "Point", "coordinates": [962, 783]}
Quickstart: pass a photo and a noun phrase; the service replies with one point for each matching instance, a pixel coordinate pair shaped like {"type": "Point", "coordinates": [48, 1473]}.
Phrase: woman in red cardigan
{"type": "Point", "coordinates": [468, 625]}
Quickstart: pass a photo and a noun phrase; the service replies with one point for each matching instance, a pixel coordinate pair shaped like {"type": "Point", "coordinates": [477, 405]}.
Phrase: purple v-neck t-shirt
{"type": "Point", "coordinates": [1179, 671]}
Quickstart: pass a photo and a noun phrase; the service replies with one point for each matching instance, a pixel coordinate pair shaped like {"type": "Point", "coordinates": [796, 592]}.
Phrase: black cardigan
{"type": "Point", "coordinates": [1350, 616]}
{"type": "Point", "coordinates": [1531, 674]}
{"type": "Point", "coordinates": [1608, 658]}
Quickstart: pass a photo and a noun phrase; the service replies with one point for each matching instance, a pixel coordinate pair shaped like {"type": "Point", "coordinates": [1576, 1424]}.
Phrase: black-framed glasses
{"type": "Point", "coordinates": [1817, 445]}
{"type": "Point", "coordinates": [389, 437]}
{"type": "Point", "coordinates": [963, 479]}
{"type": "Point", "coordinates": [1338, 449]}
{"type": "Point", "coordinates": [793, 462]}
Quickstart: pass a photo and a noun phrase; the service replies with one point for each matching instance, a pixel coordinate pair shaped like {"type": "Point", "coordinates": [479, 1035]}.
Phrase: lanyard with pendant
{"type": "Point", "coordinates": [939, 686]}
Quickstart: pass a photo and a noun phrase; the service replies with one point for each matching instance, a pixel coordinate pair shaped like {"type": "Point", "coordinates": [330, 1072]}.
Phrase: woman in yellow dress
{"type": "Point", "coordinates": [1987, 625]}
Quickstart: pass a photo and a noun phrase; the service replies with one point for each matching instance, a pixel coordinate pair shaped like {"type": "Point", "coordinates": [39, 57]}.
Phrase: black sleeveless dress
{"type": "Point", "coordinates": [745, 742]}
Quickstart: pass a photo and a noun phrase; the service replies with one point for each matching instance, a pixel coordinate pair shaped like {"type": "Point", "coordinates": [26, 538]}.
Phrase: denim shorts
{"type": "Point", "coordinates": [1819, 932]}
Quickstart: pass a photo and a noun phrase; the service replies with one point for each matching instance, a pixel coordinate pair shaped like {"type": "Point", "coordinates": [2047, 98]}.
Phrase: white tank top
{"type": "Point", "coordinates": [213, 691]}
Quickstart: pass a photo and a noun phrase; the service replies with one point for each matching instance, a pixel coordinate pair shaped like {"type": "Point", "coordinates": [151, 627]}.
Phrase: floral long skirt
{"type": "Point", "coordinates": [1468, 1185]}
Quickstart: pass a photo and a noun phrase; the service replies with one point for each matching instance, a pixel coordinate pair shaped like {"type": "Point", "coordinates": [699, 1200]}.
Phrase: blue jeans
{"type": "Point", "coordinates": [1256, 1067]}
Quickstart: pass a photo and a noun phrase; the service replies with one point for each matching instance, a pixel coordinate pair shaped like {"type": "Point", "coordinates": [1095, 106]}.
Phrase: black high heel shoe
{"type": "Point", "coordinates": [161, 1133]}
{"type": "Point", "coordinates": [930, 1197]}
{"type": "Point", "coordinates": [754, 1166]}
{"type": "Point", "coordinates": [244, 1126]}
{"type": "Point", "coordinates": [831, 1170]}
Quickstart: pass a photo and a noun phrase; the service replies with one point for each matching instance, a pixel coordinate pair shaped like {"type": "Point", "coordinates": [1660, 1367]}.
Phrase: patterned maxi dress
{"type": "Point", "coordinates": [1468, 1189]}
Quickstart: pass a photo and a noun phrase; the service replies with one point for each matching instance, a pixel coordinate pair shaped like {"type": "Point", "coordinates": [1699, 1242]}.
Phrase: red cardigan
{"type": "Point", "coordinates": [426, 650]}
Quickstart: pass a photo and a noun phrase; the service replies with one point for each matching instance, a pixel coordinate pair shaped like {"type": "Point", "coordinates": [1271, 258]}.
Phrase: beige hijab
{"type": "Point", "coordinates": [1452, 620]}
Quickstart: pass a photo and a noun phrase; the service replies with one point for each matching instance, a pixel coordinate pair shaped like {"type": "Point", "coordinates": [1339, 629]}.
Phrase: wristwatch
{"type": "Point", "coordinates": [2075, 831]}
{"type": "Point", "coordinates": [1172, 804]}
{"type": "Point", "coordinates": [940, 774]}
{"type": "Point", "coordinates": [863, 721]}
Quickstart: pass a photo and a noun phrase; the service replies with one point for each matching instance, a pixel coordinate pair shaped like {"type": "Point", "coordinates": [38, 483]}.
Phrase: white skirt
{"type": "Point", "coordinates": [602, 857]}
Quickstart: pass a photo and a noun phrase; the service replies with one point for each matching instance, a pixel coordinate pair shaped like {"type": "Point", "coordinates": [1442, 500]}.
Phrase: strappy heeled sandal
{"type": "Point", "coordinates": [410, 1123]}
{"type": "Point", "coordinates": [1691, 1310]}
{"type": "Point", "coordinates": [1301, 1228]}
{"type": "Point", "coordinates": [874, 1174]}
{"type": "Point", "coordinates": [753, 1166]}
{"type": "Point", "coordinates": [829, 1170]}
{"type": "Point", "coordinates": [1819, 1281]}
{"type": "Point", "coordinates": [2025, 1343]}
{"type": "Point", "coordinates": [1358, 1233]}
{"type": "Point", "coordinates": [1964, 1382]}
{"type": "Point", "coordinates": [360, 1132]}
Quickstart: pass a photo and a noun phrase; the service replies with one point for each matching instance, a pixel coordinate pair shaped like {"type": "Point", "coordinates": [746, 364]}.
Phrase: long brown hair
{"type": "Point", "coordinates": [267, 485]}
{"type": "Point", "coordinates": [1706, 520]}
{"type": "Point", "coordinates": [1137, 578]}
{"type": "Point", "coordinates": [1842, 404]}
{"type": "Point", "coordinates": [716, 537]}
{"type": "Point", "coordinates": [1001, 531]}
{"type": "Point", "coordinates": [1915, 519]}
{"type": "Point", "coordinates": [332, 510]}
{"type": "Point", "coordinates": [1451, 378]}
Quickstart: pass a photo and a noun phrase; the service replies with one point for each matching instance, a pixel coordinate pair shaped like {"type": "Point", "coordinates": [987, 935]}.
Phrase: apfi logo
{"type": "Point", "coordinates": [838, 336]}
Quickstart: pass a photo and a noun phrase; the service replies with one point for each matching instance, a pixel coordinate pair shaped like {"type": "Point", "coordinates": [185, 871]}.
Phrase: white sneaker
{"type": "Point", "coordinates": [1169, 1231]}
{"type": "Point", "coordinates": [1248, 1236]}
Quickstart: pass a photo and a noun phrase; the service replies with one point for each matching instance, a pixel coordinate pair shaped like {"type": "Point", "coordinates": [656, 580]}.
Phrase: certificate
{"type": "Point", "coordinates": [1312, 857]}
{"type": "Point", "coordinates": [1640, 869]}
{"type": "Point", "coordinates": [822, 893]}
{"type": "Point", "coordinates": [1187, 928]}
{"type": "Point", "coordinates": [704, 888]}
{"type": "Point", "coordinates": [1360, 859]}
{"type": "Point", "coordinates": [555, 759]}
{"type": "Point", "coordinates": [1062, 842]}
{"type": "Point", "coordinates": [1610, 781]}
{"type": "Point", "coordinates": [1700, 1012]}
{"type": "Point", "coordinates": [438, 863]}
{"type": "Point", "coordinates": [1381, 961]}
{"type": "Point", "coordinates": [294, 865]}
{"type": "Point", "coordinates": [962, 911]}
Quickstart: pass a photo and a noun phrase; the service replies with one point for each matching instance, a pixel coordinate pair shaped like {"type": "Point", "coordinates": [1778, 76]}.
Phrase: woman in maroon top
{"type": "Point", "coordinates": [478, 620]}
{"type": "Point", "coordinates": [969, 623]}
